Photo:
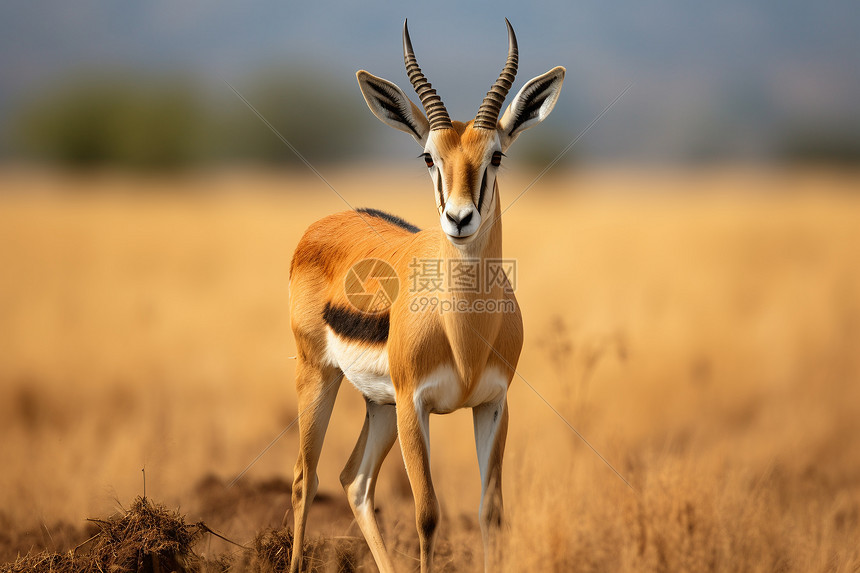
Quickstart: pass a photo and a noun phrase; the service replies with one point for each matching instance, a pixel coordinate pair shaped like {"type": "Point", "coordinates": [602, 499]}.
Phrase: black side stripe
{"type": "Point", "coordinates": [350, 323]}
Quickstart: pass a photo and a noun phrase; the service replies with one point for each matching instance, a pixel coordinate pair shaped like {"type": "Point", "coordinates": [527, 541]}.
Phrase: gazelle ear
{"type": "Point", "coordinates": [531, 105]}
{"type": "Point", "coordinates": [391, 106]}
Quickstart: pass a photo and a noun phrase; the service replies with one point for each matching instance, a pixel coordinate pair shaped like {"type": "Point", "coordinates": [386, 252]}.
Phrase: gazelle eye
{"type": "Point", "coordinates": [497, 159]}
{"type": "Point", "coordinates": [428, 159]}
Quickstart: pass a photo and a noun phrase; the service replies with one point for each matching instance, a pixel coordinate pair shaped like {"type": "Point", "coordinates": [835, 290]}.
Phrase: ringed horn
{"type": "Point", "coordinates": [437, 115]}
{"type": "Point", "coordinates": [488, 113]}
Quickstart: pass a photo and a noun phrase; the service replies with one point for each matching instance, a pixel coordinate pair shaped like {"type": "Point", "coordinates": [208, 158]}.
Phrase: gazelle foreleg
{"type": "Point", "coordinates": [359, 475]}
{"type": "Point", "coordinates": [413, 425]}
{"type": "Point", "coordinates": [491, 428]}
{"type": "Point", "coordinates": [316, 386]}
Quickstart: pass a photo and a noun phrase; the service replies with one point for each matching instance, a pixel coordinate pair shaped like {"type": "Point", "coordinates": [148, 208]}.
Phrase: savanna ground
{"type": "Point", "coordinates": [701, 329]}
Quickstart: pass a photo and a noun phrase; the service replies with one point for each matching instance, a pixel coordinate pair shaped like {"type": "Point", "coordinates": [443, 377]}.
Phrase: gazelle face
{"type": "Point", "coordinates": [463, 158]}
{"type": "Point", "coordinates": [463, 163]}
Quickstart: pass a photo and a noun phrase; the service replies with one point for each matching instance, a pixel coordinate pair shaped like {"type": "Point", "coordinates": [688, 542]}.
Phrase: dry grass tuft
{"type": "Point", "coordinates": [273, 549]}
{"type": "Point", "coordinates": [148, 538]}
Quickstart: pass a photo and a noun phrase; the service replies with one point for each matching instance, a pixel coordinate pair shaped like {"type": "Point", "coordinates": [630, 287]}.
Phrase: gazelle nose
{"type": "Point", "coordinates": [460, 219]}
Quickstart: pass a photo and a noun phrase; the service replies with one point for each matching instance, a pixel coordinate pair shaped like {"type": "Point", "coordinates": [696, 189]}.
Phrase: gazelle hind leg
{"type": "Point", "coordinates": [359, 475]}
{"type": "Point", "coordinates": [491, 428]}
{"type": "Point", "coordinates": [317, 388]}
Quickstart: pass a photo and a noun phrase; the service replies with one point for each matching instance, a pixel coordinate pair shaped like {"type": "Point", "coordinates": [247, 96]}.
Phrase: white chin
{"type": "Point", "coordinates": [460, 241]}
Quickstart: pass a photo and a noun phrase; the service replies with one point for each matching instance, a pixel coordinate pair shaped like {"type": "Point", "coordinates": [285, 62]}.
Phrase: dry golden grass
{"type": "Point", "coordinates": [701, 329]}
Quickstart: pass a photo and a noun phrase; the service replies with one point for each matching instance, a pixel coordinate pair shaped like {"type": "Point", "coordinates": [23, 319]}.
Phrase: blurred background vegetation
{"type": "Point", "coordinates": [143, 87]}
{"type": "Point", "coordinates": [166, 122]}
{"type": "Point", "coordinates": [159, 122]}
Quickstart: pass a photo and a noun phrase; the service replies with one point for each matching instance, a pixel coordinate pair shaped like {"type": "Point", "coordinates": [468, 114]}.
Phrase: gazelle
{"type": "Point", "coordinates": [409, 360]}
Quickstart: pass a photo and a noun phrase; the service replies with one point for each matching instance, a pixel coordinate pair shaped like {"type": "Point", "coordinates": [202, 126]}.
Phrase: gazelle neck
{"type": "Point", "coordinates": [469, 325]}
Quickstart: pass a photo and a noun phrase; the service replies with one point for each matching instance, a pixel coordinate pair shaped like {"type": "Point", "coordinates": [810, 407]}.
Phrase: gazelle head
{"type": "Point", "coordinates": [463, 158]}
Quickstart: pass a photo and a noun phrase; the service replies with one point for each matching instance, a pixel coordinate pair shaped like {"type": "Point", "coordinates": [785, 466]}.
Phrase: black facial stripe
{"type": "Point", "coordinates": [481, 192]}
{"type": "Point", "coordinates": [355, 325]}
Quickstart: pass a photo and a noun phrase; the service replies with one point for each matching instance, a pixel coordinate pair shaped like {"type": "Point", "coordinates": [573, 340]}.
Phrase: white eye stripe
{"type": "Point", "coordinates": [439, 188]}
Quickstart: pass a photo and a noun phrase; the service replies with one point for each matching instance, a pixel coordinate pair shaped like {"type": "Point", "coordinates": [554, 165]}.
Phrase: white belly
{"type": "Point", "coordinates": [366, 367]}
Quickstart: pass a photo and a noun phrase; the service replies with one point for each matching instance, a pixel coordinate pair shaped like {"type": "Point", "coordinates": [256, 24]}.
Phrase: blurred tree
{"type": "Point", "coordinates": [542, 147]}
{"type": "Point", "coordinates": [305, 108]}
{"type": "Point", "coordinates": [146, 124]}
{"type": "Point", "coordinates": [156, 123]}
{"type": "Point", "coordinates": [822, 144]}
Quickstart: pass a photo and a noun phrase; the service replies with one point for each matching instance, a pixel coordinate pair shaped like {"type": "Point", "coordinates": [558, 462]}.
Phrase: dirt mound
{"type": "Point", "coordinates": [147, 538]}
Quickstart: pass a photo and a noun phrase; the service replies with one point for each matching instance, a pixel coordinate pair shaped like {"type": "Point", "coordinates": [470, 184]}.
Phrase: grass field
{"type": "Point", "coordinates": [701, 329]}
